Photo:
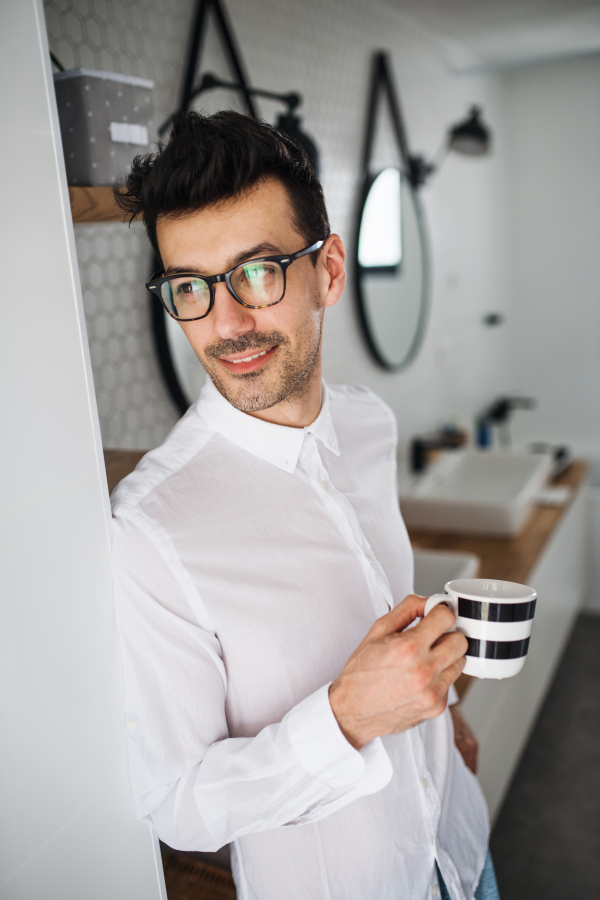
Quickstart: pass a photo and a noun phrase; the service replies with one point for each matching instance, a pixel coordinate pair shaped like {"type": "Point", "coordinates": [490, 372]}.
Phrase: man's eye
{"type": "Point", "coordinates": [187, 287]}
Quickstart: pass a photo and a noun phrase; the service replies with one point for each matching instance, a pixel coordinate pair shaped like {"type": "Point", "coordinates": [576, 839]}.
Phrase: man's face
{"type": "Point", "coordinates": [280, 345]}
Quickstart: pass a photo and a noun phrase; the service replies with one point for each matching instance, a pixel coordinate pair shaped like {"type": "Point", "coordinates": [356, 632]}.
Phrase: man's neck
{"type": "Point", "coordinates": [301, 408]}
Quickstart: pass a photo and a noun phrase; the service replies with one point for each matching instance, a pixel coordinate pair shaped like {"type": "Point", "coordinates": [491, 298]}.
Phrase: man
{"type": "Point", "coordinates": [281, 693]}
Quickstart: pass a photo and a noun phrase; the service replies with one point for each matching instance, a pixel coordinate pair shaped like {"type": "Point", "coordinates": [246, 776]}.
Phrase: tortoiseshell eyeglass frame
{"type": "Point", "coordinates": [285, 260]}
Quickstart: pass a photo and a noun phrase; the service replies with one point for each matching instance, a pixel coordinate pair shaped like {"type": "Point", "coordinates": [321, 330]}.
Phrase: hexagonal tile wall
{"type": "Point", "coordinates": [132, 404]}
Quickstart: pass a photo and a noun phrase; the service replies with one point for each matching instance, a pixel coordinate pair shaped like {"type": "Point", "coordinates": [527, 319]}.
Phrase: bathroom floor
{"type": "Point", "coordinates": [188, 878]}
{"type": "Point", "coordinates": [546, 842]}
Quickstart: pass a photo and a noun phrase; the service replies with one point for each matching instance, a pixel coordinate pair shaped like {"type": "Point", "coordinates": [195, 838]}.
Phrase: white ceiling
{"type": "Point", "coordinates": [491, 34]}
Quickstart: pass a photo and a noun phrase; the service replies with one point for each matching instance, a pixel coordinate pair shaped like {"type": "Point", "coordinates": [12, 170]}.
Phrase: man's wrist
{"type": "Point", "coordinates": [354, 737]}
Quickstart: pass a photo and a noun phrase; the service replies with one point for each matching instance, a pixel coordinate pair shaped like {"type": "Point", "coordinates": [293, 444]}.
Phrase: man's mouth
{"type": "Point", "coordinates": [249, 363]}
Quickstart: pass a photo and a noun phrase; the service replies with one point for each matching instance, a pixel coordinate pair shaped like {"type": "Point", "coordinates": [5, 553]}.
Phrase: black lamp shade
{"type": "Point", "coordinates": [471, 137]}
{"type": "Point", "coordinates": [290, 125]}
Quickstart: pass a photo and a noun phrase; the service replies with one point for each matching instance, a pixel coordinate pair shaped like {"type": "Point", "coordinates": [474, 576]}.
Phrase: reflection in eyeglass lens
{"type": "Point", "coordinates": [258, 283]}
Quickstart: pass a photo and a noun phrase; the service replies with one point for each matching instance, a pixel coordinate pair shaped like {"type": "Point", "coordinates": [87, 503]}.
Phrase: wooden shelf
{"type": "Point", "coordinates": [94, 204]}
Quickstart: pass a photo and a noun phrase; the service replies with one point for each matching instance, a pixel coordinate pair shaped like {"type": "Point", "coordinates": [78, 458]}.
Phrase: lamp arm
{"type": "Point", "coordinates": [209, 82]}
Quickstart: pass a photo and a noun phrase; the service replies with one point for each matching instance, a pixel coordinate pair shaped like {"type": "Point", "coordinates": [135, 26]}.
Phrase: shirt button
{"type": "Point", "coordinates": [132, 725]}
{"type": "Point", "coordinates": [306, 435]}
{"type": "Point", "coordinates": [368, 558]}
{"type": "Point", "coordinates": [325, 485]}
{"type": "Point", "coordinates": [435, 890]}
{"type": "Point", "coordinates": [425, 783]}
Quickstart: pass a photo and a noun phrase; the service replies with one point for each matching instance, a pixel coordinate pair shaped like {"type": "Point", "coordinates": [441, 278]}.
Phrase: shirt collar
{"type": "Point", "coordinates": [277, 444]}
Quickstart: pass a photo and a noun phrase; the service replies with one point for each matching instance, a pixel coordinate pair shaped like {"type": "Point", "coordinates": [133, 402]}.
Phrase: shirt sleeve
{"type": "Point", "coordinates": [196, 785]}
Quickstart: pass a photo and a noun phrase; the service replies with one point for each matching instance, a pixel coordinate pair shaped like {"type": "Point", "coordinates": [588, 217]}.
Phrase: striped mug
{"type": "Point", "coordinates": [496, 618]}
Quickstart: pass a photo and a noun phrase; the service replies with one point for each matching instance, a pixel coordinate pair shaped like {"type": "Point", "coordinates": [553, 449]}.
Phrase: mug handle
{"type": "Point", "coordinates": [450, 602]}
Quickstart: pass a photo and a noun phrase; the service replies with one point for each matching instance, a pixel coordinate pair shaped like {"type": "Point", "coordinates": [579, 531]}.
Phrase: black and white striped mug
{"type": "Point", "coordinates": [496, 618]}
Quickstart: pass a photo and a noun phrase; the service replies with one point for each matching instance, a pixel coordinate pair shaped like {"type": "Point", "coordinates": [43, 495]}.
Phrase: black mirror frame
{"type": "Point", "coordinates": [382, 81]}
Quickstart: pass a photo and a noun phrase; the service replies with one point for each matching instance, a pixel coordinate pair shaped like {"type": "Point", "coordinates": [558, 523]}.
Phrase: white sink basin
{"type": "Point", "coordinates": [433, 568]}
{"type": "Point", "coordinates": [475, 492]}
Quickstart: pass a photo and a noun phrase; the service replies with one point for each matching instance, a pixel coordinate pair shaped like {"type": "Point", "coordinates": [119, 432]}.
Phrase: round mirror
{"type": "Point", "coordinates": [392, 270]}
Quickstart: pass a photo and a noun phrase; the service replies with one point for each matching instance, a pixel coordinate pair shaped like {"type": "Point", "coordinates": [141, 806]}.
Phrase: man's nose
{"type": "Point", "coordinates": [230, 318]}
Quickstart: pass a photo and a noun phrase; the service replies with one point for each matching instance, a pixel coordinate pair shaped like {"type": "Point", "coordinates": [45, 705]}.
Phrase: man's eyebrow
{"type": "Point", "coordinates": [263, 249]}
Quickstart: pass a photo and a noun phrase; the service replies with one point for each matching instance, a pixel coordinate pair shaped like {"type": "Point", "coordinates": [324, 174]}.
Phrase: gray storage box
{"type": "Point", "coordinates": [105, 120]}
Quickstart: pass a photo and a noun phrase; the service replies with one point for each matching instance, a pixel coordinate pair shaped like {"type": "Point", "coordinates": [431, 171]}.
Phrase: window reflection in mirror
{"type": "Point", "coordinates": [380, 238]}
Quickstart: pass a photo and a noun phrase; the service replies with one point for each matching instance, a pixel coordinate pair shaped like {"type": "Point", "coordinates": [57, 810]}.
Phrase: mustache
{"type": "Point", "coordinates": [255, 340]}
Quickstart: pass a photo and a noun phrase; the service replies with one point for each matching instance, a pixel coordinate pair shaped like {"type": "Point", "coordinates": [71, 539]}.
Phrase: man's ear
{"type": "Point", "coordinates": [331, 270]}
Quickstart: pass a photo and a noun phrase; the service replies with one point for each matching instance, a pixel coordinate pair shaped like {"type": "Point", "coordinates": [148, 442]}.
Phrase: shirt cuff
{"type": "Point", "coordinates": [318, 741]}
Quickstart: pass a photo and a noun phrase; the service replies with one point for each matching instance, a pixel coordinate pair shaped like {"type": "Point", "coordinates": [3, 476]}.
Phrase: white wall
{"type": "Point", "coordinates": [321, 48]}
{"type": "Point", "coordinates": [553, 124]}
{"type": "Point", "coordinates": [68, 829]}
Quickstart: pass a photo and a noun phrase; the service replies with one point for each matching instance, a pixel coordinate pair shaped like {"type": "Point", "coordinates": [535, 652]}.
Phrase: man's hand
{"type": "Point", "coordinates": [466, 742]}
{"type": "Point", "coordinates": [396, 678]}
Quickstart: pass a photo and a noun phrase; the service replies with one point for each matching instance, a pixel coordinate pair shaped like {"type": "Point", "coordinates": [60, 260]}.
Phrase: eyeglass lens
{"type": "Point", "coordinates": [257, 284]}
{"type": "Point", "coordinates": [186, 298]}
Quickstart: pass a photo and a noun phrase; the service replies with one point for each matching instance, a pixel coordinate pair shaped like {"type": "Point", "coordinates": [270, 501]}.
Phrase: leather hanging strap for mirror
{"type": "Point", "coordinates": [230, 47]}
{"type": "Point", "coordinates": [382, 83]}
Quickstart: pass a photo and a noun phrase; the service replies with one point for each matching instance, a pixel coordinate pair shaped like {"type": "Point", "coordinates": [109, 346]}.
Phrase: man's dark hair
{"type": "Point", "coordinates": [212, 158]}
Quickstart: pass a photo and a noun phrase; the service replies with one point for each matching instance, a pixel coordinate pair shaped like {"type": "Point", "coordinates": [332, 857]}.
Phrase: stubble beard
{"type": "Point", "coordinates": [295, 371]}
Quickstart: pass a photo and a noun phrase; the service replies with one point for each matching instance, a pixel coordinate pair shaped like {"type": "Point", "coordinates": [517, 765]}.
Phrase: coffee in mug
{"type": "Point", "coordinates": [496, 618]}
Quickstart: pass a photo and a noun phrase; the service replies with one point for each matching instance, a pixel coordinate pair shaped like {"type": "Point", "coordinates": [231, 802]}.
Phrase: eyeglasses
{"type": "Point", "coordinates": [255, 284]}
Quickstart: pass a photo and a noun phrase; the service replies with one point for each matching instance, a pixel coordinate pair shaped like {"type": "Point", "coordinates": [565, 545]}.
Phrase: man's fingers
{"type": "Point", "coordinates": [451, 672]}
{"type": "Point", "coordinates": [435, 623]}
{"type": "Point", "coordinates": [398, 618]}
{"type": "Point", "coordinates": [449, 648]}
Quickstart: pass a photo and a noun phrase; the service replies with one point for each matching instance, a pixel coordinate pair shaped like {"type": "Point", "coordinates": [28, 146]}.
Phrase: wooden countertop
{"type": "Point", "coordinates": [506, 559]}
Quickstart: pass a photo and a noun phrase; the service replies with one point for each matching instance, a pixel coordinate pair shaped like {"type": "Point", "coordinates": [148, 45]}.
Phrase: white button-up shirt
{"type": "Point", "coordinates": [250, 561]}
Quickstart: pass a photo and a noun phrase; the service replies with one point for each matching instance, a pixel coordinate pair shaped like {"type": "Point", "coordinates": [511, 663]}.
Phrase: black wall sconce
{"type": "Point", "coordinates": [469, 137]}
{"type": "Point", "coordinates": [288, 122]}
